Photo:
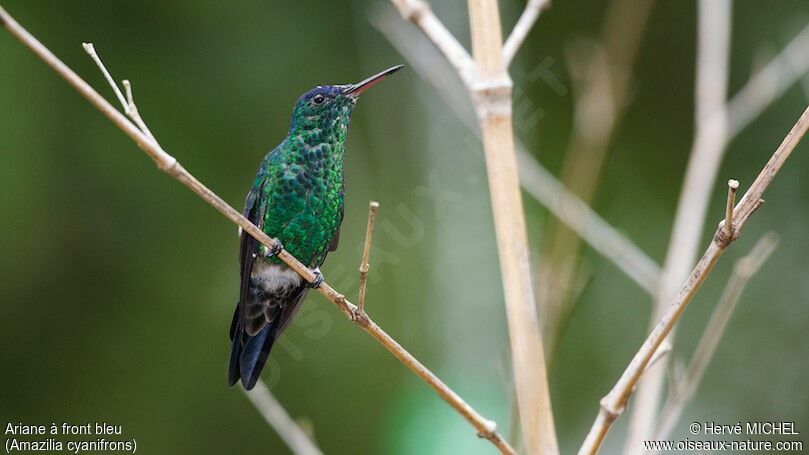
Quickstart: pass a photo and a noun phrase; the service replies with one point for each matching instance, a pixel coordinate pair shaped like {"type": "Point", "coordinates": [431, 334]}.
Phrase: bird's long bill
{"type": "Point", "coordinates": [357, 89]}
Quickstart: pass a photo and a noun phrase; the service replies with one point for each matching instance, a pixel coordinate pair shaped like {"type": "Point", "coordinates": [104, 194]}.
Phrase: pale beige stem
{"type": "Point", "coordinates": [491, 95]}
{"type": "Point", "coordinates": [684, 389]}
{"type": "Point", "coordinates": [373, 206]}
{"type": "Point", "coordinates": [128, 102]}
{"type": "Point", "coordinates": [524, 25]}
{"type": "Point", "coordinates": [487, 80]}
{"type": "Point", "coordinates": [276, 416]}
{"type": "Point", "coordinates": [614, 403]}
{"type": "Point", "coordinates": [419, 13]}
{"type": "Point", "coordinates": [168, 164]}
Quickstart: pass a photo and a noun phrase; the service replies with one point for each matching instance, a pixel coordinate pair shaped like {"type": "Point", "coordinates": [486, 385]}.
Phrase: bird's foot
{"type": "Point", "coordinates": [277, 246]}
{"type": "Point", "coordinates": [318, 279]}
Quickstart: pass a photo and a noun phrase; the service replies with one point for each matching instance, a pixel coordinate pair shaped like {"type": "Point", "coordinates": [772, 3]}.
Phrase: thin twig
{"type": "Point", "coordinates": [713, 60]}
{"type": "Point", "coordinates": [535, 179]}
{"type": "Point", "coordinates": [524, 25]}
{"type": "Point", "coordinates": [614, 403]}
{"type": "Point", "coordinates": [733, 186]}
{"type": "Point", "coordinates": [91, 51]}
{"type": "Point", "coordinates": [684, 389]}
{"type": "Point", "coordinates": [168, 164]}
{"type": "Point", "coordinates": [373, 206]}
{"type": "Point", "coordinates": [420, 13]}
{"type": "Point", "coordinates": [128, 104]}
{"type": "Point", "coordinates": [276, 416]}
{"type": "Point", "coordinates": [133, 111]}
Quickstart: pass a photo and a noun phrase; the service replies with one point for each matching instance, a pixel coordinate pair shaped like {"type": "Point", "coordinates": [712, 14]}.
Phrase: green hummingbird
{"type": "Point", "coordinates": [296, 198]}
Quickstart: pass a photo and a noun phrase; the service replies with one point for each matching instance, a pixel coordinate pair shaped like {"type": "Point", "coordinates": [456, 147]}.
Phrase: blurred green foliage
{"type": "Point", "coordinates": [117, 285]}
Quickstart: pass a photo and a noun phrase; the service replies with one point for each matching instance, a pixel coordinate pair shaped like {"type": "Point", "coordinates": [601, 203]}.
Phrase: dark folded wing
{"type": "Point", "coordinates": [254, 207]}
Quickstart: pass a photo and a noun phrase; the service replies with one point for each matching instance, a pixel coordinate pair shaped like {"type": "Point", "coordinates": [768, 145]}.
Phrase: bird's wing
{"type": "Point", "coordinates": [248, 248]}
{"type": "Point", "coordinates": [254, 208]}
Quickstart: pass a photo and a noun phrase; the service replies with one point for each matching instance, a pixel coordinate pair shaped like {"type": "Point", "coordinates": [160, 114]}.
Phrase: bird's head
{"type": "Point", "coordinates": [328, 107]}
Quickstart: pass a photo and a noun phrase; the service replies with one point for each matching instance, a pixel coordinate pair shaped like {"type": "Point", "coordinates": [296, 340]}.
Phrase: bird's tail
{"type": "Point", "coordinates": [248, 354]}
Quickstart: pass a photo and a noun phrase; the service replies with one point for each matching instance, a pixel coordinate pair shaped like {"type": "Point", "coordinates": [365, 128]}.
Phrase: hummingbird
{"type": "Point", "coordinates": [297, 198]}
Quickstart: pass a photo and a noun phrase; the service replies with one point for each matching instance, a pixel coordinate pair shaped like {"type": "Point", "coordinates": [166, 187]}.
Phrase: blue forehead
{"type": "Point", "coordinates": [325, 90]}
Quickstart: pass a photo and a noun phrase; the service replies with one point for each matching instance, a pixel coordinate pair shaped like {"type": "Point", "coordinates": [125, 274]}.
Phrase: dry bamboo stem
{"type": "Point", "coordinates": [168, 164]}
{"type": "Point", "coordinates": [683, 389]}
{"type": "Point", "coordinates": [614, 403]}
{"type": "Point", "coordinates": [491, 94]}
{"type": "Point", "coordinates": [487, 80]}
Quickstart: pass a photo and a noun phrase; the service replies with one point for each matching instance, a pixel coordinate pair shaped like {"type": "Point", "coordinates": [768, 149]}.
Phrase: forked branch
{"type": "Point", "coordinates": [419, 13]}
{"type": "Point", "coordinates": [535, 179]}
{"type": "Point", "coordinates": [524, 25]}
{"type": "Point", "coordinates": [614, 403]}
{"type": "Point", "coordinates": [167, 163]}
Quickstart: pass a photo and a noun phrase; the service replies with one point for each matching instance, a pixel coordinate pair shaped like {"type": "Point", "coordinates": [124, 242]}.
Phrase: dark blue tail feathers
{"type": "Point", "coordinates": [248, 354]}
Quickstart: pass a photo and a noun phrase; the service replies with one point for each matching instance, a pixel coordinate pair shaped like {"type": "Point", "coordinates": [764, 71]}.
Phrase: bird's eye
{"type": "Point", "coordinates": [318, 99]}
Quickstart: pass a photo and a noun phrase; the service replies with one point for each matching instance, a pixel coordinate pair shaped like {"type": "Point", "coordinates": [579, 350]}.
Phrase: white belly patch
{"type": "Point", "coordinates": [272, 276]}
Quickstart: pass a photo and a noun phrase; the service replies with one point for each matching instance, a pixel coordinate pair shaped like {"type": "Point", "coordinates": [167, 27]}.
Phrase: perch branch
{"type": "Point", "coordinates": [523, 26]}
{"type": "Point", "coordinates": [614, 403]}
{"type": "Point", "coordinates": [683, 390]}
{"type": "Point", "coordinates": [171, 166]}
{"type": "Point", "coordinates": [373, 206]}
{"type": "Point", "coordinates": [295, 438]}
{"type": "Point", "coordinates": [535, 179]}
{"type": "Point", "coordinates": [262, 399]}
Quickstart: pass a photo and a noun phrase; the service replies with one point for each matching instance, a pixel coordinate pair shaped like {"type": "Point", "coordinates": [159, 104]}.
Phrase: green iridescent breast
{"type": "Point", "coordinates": [301, 180]}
